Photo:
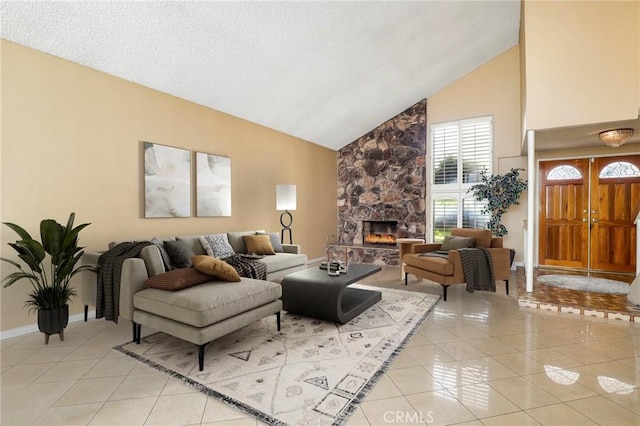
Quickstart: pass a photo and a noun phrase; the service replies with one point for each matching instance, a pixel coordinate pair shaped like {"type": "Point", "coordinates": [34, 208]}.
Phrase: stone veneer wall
{"type": "Point", "coordinates": [381, 176]}
{"type": "Point", "coordinates": [381, 255]}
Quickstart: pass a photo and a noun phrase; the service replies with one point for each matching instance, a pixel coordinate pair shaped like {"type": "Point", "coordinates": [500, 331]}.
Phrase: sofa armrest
{"type": "Point", "coordinates": [132, 278]}
{"type": "Point", "coordinates": [292, 248]}
{"type": "Point", "coordinates": [425, 248]}
{"type": "Point", "coordinates": [134, 273]}
{"type": "Point", "coordinates": [496, 242]}
{"type": "Point", "coordinates": [458, 271]}
{"type": "Point", "coordinates": [152, 260]}
{"type": "Point", "coordinates": [501, 258]}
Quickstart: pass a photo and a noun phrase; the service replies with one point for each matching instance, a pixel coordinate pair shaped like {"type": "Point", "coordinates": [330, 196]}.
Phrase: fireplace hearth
{"type": "Point", "coordinates": [379, 232]}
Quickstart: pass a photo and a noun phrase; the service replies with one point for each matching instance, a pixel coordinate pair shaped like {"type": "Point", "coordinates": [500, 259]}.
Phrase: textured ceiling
{"type": "Point", "coordinates": [326, 72]}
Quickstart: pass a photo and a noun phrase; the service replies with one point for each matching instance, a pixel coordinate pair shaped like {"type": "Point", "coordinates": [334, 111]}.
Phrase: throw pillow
{"type": "Point", "coordinates": [166, 259]}
{"type": "Point", "coordinates": [178, 279]}
{"type": "Point", "coordinates": [275, 241]}
{"type": "Point", "coordinates": [215, 267]}
{"type": "Point", "coordinates": [258, 244]}
{"type": "Point", "coordinates": [236, 240]}
{"type": "Point", "coordinates": [217, 245]}
{"type": "Point", "coordinates": [180, 253]}
{"type": "Point", "coordinates": [455, 243]}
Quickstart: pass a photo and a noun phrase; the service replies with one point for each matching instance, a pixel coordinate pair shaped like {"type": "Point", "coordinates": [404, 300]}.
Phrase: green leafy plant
{"type": "Point", "coordinates": [50, 290]}
{"type": "Point", "coordinates": [500, 193]}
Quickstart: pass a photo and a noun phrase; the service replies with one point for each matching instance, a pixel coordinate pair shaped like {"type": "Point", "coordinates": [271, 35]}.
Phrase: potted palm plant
{"type": "Point", "coordinates": [50, 278]}
{"type": "Point", "coordinates": [500, 193]}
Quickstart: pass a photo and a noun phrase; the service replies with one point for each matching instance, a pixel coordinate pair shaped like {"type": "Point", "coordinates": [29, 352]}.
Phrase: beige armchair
{"type": "Point", "coordinates": [449, 270]}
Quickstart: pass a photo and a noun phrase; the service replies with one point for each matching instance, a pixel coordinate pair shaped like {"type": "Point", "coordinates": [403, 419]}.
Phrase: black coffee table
{"type": "Point", "coordinates": [316, 294]}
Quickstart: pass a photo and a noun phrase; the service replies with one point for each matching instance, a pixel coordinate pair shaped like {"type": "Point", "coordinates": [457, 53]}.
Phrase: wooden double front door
{"type": "Point", "coordinates": [587, 211]}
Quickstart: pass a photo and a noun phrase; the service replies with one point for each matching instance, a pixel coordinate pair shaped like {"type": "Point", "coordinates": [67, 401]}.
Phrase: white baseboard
{"type": "Point", "coordinates": [21, 331]}
{"type": "Point", "coordinates": [514, 265]}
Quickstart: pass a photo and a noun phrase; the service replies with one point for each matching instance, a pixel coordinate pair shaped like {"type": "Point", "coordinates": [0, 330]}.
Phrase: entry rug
{"type": "Point", "coordinates": [582, 283]}
{"type": "Point", "coordinates": [312, 372]}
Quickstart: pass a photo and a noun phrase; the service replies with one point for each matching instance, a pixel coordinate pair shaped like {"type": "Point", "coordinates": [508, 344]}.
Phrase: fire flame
{"type": "Point", "coordinates": [380, 239]}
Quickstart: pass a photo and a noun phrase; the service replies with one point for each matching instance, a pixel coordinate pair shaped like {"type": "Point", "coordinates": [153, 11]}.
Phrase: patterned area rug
{"type": "Point", "coordinates": [588, 284]}
{"type": "Point", "coordinates": [311, 373]}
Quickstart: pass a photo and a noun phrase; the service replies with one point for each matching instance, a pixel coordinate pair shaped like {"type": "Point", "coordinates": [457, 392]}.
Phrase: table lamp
{"type": "Point", "coordinates": [286, 200]}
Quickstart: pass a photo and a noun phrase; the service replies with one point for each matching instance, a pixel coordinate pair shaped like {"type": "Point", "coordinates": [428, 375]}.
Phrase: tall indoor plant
{"type": "Point", "coordinates": [50, 278]}
{"type": "Point", "coordinates": [500, 193]}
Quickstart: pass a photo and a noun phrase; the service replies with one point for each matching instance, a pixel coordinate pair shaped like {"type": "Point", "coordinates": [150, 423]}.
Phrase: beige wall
{"type": "Point", "coordinates": [71, 142]}
{"type": "Point", "coordinates": [582, 62]}
{"type": "Point", "coordinates": [493, 89]}
{"type": "Point", "coordinates": [592, 151]}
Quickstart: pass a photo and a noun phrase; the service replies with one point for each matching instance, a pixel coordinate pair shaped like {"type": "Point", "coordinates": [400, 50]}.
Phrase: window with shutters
{"type": "Point", "coordinates": [460, 151]}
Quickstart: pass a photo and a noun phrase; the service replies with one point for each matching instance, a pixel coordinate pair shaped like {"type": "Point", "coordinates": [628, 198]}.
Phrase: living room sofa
{"type": "Point", "coordinates": [204, 312]}
{"type": "Point", "coordinates": [278, 266]}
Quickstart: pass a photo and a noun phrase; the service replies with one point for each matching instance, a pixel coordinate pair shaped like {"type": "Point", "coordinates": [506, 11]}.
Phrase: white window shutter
{"type": "Point", "coordinates": [476, 149]}
{"type": "Point", "coordinates": [460, 152]}
{"type": "Point", "coordinates": [445, 141]}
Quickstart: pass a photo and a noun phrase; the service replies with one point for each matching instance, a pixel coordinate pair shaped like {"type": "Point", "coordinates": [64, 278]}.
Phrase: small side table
{"type": "Point", "coordinates": [405, 247]}
{"type": "Point", "coordinates": [88, 282]}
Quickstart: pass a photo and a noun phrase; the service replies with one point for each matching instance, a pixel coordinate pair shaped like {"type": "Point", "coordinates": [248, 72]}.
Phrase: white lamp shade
{"type": "Point", "coordinates": [285, 197]}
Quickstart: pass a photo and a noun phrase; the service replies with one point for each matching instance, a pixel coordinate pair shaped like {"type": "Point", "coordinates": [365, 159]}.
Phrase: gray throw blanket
{"type": "Point", "coordinates": [109, 270]}
{"type": "Point", "coordinates": [248, 266]}
{"type": "Point", "coordinates": [478, 269]}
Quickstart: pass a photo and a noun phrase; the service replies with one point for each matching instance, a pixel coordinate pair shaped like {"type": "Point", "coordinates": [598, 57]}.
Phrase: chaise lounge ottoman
{"type": "Point", "coordinates": [205, 312]}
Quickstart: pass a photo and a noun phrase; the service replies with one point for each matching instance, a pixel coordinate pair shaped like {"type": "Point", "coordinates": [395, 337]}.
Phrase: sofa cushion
{"type": "Point", "coordinates": [438, 265]}
{"type": "Point", "coordinates": [208, 303]}
{"type": "Point", "coordinates": [283, 261]}
{"type": "Point", "coordinates": [217, 245]}
{"type": "Point", "coordinates": [483, 236]}
{"type": "Point", "coordinates": [193, 241]}
{"type": "Point", "coordinates": [258, 244]}
{"type": "Point", "coordinates": [452, 242]}
{"type": "Point", "coordinates": [153, 261]}
{"type": "Point", "coordinates": [275, 241]}
{"type": "Point", "coordinates": [236, 239]}
{"type": "Point", "coordinates": [166, 259]}
{"type": "Point", "coordinates": [177, 279]}
{"type": "Point", "coordinates": [215, 267]}
{"type": "Point", "coordinates": [180, 253]}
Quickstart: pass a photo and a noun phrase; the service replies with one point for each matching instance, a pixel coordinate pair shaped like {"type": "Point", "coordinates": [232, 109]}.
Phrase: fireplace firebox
{"type": "Point", "coordinates": [379, 232]}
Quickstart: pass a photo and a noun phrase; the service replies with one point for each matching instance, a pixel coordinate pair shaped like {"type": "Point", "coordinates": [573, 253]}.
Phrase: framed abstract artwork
{"type": "Point", "coordinates": [167, 181]}
{"type": "Point", "coordinates": [213, 185]}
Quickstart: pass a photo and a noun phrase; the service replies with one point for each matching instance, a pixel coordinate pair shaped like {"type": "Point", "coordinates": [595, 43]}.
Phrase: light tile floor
{"type": "Point", "coordinates": [479, 359]}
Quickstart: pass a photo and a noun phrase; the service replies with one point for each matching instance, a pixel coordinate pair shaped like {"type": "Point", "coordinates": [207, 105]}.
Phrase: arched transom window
{"type": "Point", "coordinates": [564, 172]}
{"type": "Point", "coordinates": [620, 169]}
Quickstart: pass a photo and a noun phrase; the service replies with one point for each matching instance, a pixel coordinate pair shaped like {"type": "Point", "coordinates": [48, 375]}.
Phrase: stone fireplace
{"type": "Point", "coordinates": [382, 178]}
{"type": "Point", "coordinates": [379, 232]}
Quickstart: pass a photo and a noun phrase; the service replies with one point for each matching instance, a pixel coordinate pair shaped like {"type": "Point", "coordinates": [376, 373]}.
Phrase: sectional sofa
{"type": "Point", "coordinates": [204, 312]}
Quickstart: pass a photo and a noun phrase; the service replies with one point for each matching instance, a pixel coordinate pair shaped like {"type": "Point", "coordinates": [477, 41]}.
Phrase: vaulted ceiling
{"type": "Point", "coordinates": [327, 72]}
